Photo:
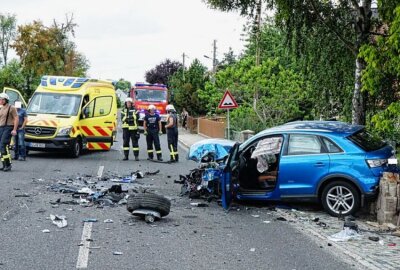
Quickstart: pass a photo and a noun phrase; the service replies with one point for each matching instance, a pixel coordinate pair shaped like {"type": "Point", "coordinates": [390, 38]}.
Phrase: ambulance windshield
{"type": "Point", "coordinates": [53, 103]}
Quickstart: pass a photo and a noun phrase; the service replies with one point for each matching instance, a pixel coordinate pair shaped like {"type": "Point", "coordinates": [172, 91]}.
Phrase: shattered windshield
{"type": "Point", "coordinates": [150, 95]}
{"type": "Point", "coordinates": [53, 103]}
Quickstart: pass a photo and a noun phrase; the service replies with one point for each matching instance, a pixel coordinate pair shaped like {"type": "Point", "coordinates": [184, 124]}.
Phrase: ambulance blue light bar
{"type": "Point", "coordinates": [66, 81]}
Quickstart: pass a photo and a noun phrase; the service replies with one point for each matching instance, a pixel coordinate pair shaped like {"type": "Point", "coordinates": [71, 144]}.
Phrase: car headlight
{"type": "Point", "coordinates": [64, 131]}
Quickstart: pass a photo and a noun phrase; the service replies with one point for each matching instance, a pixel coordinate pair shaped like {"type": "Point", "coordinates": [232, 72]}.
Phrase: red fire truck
{"type": "Point", "coordinates": [144, 94]}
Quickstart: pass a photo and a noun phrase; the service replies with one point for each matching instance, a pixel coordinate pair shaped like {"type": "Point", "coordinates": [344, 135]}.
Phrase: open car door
{"type": "Point", "coordinates": [14, 95]}
{"type": "Point", "coordinates": [226, 180]}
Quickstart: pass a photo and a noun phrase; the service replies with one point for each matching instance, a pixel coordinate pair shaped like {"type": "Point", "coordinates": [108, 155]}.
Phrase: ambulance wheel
{"type": "Point", "coordinates": [149, 201]}
{"type": "Point", "coordinates": [76, 148]}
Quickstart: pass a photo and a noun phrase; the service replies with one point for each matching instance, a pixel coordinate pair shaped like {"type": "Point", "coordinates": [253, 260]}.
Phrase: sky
{"type": "Point", "coordinates": [126, 38]}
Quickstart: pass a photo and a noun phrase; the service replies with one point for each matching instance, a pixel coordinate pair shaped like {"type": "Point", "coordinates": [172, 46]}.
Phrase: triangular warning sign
{"type": "Point", "coordinates": [228, 102]}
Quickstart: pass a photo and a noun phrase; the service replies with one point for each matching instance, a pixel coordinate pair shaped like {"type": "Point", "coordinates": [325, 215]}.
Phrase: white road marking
{"type": "Point", "coordinates": [100, 171]}
{"type": "Point", "coordinates": [83, 256]}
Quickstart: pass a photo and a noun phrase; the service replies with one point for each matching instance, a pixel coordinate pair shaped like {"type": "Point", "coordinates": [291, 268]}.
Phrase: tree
{"type": "Point", "coordinates": [162, 72]}
{"type": "Point", "coordinates": [48, 50]}
{"type": "Point", "coordinates": [8, 25]}
{"type": "Point", "coordinates": [301, 18]}
{"type": "Point", "coordinates": [186, 89]}
{"type": "Point", "coordinates": [123, 85]}
{"type": "Point", "coordinates": [12, 75]}
{"type": "Point", "coordinates": [381, 76]}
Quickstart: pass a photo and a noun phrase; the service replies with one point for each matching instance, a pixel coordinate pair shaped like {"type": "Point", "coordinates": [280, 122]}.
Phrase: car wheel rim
{"type": "Point", "coordinates": [340, 200]}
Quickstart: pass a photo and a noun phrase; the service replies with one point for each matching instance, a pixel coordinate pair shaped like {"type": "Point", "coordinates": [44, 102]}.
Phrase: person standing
{"type": "Point", "coordinates": [152, 128]}
{"type": "Point", "coordinates": [19, 139]}
{"type": "Point", "coordinates": [172, 133]}
{"type": "Point", "coordinates": [184, 116]}
{"type": "Point", "coordinates": [8, 128]}
{"type": "Point", "coordinates": [130, 131]}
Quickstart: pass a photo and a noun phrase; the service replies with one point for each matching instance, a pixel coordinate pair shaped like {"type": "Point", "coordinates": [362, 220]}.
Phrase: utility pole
{"type": "Point", "coordinates": [183, 62]}
{"type": "Point", "coordinates": [215, 56]}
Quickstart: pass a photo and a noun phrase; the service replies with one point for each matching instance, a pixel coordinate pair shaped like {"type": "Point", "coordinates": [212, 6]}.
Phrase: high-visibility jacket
{"type": "Point", "coordinates": [130, 118]}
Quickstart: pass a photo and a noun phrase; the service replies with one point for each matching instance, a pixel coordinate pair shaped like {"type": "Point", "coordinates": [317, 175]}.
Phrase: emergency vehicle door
{"type": "Point", "coordinates": [97, 123]}
{"type": "Point", "coordinates": [14, 95]}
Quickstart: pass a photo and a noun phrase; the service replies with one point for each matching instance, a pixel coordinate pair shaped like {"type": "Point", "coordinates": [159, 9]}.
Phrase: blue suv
{"type": "Point", "coordinates": [334, 163]}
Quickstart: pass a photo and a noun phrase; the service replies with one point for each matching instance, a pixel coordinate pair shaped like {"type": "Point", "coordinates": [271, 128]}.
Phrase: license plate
{"type": "Point", "coordinates": [37, 145]}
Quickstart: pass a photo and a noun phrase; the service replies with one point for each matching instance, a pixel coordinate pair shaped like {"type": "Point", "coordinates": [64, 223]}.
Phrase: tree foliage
{"type": "Point", "coordinates": [185, 85]}
{"type": "Point", "coordinates": [48, 50]}
{"type": "Point", "coordinates": [8, 26]}
{"type": "Point", "coordinates": [162, 72]}
{"type": "Point", "coordinates": [382, 76]}
{"type": "Point", "coordinates": [123, 85]}
{"type": "Point", "coordinates": [12, 75]}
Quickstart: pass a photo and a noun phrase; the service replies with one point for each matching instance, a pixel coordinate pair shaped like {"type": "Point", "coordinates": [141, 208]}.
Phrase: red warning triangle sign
{"type": "Point", "coordinates": [227, 102]}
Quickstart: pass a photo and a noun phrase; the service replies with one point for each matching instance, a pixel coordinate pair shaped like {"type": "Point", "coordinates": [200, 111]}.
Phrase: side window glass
{"type": "Point", "coordinates": [304, 144]}
{"type": "Point", "coordinates": [103, 106]}
{"type": "Point", "coordinates": [13, 96]}
{"type": "Point", "coordinates": [88, 110]}
{"type": "Point", "coordinates": [331, 146]}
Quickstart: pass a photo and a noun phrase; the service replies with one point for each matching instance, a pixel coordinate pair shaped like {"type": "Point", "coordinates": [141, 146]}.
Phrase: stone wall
{"type": "Point", "coordinates": [388, 203]}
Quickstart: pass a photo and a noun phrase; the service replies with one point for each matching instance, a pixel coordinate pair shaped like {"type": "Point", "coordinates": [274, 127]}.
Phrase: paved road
{"type": "Point", "coordinates": [189, 238]}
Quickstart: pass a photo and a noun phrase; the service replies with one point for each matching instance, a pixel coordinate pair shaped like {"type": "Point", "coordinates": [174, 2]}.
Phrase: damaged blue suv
{"type": "Point", "coordinates": [334, 163]}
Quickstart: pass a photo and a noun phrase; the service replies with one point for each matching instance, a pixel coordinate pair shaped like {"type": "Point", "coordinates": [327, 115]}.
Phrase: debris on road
{"type": "Point", "coordinates": [108, 221]}
{"type": "Point", "coordinates": [118, 253]}
{"type": "Point", "coordinates": [197, 204]}
{"type": "Point", "coordinates": [90, 220]}
{"type": "Point", "coordinates": [60, 221]}
{"type": "Point", "coordinates": [45, 231]}
{"type": "Point", "coordinates": [24, 195]}
{"type": "Point", "coordinates": [281, 219]}
{"type": "Point", "coordinates": [149, 206]}
{"type": "Point", "coordinates": [345, 235]}
{"type": "Point", "coordinates": [374, 238]}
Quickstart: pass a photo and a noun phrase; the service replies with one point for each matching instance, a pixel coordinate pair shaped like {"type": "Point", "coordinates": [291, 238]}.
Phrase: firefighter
{"type": "Point", "coordinates": [130, 130]}
{"type": "Point", "coordinates": [8, 128]}
{"type": "Point", "coordinates": [152, 128]}
{"type": "Point", "coordinates": [172, 133]}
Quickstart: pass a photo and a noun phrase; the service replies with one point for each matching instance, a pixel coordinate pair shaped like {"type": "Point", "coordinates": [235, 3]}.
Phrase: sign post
{"type": "Point", "coordinates": [228, 102]}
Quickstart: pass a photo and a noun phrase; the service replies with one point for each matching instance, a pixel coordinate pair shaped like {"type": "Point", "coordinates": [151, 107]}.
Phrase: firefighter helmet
{"type": "Point", "coordinates": [152, 107]}
{"type": "Point", "coordinates": [170, 107]}
{"type": "Point", "coordinates": [128, 99]}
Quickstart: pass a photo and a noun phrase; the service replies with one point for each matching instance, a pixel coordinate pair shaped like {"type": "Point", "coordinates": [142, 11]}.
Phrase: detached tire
{"type": "Point", "coordinates": [340, 198]}
{"type": "Point", "coordinates": [149, 201]}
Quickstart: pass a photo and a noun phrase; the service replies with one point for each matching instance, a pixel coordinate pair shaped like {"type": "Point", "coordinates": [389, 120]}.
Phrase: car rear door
{"type": "Point", "coordinates": [303, 163]}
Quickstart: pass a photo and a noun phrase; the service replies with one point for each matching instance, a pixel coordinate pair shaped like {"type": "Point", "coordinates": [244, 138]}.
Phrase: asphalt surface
{"type": "Point", "coordinates": [188, 238]}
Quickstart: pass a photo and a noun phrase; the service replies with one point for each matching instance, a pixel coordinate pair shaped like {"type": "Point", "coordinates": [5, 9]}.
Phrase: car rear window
{"type": "Point", "coordinates": [367, 141]}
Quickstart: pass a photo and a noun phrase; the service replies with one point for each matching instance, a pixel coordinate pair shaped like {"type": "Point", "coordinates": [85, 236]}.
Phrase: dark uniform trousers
{"type": "Point", "coordinates": [172, 137]}
{"type": "Point", "coordinates": [5, 139]}
{"type": "Point", "coordinates": [152, 137]}
{"type": "Point", "coordinates": [130, 135]}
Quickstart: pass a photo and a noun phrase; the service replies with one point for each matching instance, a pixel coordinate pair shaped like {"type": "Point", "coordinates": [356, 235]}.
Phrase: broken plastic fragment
{"type": "Point", "coordinates": [108, 221]}
{"type": "Point", "coordinates": [345, 235]}
{"type": "Point", "coordinates": [90, 220]}
{"type": "Point", "coordinates": [60, 221]}
{"type": "Point", "coordinates": [117, 253]}
{"type": "Point", "coordinates": [46, 231]}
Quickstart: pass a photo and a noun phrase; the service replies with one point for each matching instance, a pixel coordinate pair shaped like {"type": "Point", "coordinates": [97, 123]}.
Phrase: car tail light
{"type": "Point", "coordinates": [373, 163]}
